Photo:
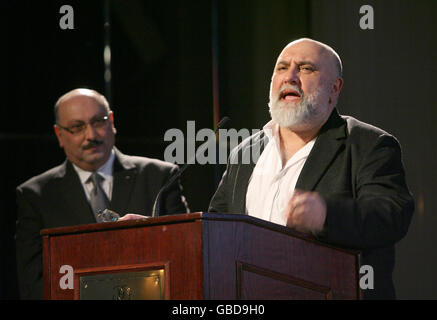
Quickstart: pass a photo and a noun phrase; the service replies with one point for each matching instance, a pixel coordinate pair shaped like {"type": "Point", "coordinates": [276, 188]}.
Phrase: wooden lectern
{"type": "Point", "coordinates": [194, 256]}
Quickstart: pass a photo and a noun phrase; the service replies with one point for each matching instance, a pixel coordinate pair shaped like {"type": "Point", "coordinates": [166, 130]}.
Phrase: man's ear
{"type": "Point", "coordinates": [338, 84]}
{"type": "Point", "coordinates": [336, 89]}
{"type": "Point", "coordinates": [58, 135]}
{"type": "Point", "coordinates": [111, 119]}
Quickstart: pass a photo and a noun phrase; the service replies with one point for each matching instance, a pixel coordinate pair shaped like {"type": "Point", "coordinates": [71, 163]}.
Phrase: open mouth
{"type": "Point", "coordinates": [289, 94]}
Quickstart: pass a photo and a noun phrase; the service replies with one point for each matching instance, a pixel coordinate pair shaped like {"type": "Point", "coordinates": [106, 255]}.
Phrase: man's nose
{"type": "Point", "coordinates": [90, 132]}
{"type": "Point", "coordinates": [292, 76]}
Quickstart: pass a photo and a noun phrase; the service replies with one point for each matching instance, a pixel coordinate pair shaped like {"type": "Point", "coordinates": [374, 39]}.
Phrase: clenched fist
{"type": "Point", "coordinates": [306, 212]}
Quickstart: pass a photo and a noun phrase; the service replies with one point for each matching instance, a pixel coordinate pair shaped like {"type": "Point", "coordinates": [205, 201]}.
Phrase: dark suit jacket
{"type": "Point", "coordinates": [357, 169]}
{"type": "Point", "coordinates": [56, 198]}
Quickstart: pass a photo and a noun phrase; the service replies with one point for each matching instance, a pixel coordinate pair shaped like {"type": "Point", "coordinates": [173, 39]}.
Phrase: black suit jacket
{"type": "Point", "coordinates": [56, 198]}
{"type": "Point", "coordinates": [357, 169]}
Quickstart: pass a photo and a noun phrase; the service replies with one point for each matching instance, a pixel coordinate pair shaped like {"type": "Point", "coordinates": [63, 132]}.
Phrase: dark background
{"type": "Point", "coordinates": [162, 76]}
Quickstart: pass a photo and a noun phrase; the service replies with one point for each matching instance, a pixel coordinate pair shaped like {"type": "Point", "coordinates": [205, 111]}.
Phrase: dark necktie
{"type": "Point", "coordinates": [98, 199]}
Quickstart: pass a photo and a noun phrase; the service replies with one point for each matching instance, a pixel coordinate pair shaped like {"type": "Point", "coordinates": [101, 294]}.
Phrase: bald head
{"type": "Point", "coordinates": [78, 93]}
{"type": "Point", "coordinates": [305, 86]}
{"type": "Point", "coordinates": [85, 128]}
{"type": "Point", "coordinates": [326, 51]}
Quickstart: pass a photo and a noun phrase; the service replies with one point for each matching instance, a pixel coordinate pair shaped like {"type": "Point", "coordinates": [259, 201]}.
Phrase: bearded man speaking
{"type": "Point", "coordinates": [319, 172]}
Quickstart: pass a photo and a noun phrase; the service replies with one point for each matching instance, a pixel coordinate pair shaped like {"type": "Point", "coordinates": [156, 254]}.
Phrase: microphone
{"type": "Point", "coordinates": [156, 205]}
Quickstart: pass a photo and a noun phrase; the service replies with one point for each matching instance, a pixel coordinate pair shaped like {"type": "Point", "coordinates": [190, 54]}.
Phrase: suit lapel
{"type": "Point", "coordinates": [328, 144]}
{"type": "Point", "coordinates": [74, 198]}
{"type": "Point", "coordinates": [124, 175]}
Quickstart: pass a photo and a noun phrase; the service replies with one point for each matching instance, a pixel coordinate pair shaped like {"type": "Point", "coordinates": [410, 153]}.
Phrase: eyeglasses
{"type": "Point", "coordinates": [81, 127]}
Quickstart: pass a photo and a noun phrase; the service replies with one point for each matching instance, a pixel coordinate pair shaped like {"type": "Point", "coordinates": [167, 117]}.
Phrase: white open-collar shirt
{"type": "Point", "coordinates": [272, 185]}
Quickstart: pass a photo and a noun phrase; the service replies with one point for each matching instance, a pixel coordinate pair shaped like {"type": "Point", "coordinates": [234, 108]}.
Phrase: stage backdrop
{"type": "Point", "coordinates": [161, 77]}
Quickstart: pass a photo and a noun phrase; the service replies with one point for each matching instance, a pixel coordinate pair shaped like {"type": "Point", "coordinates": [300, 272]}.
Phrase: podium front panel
{"type": "Point", "coordinates": [174, 248]}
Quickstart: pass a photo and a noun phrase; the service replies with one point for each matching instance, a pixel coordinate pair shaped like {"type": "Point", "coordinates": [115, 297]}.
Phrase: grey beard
{"type": "Point", "coordinates": [290, 114]}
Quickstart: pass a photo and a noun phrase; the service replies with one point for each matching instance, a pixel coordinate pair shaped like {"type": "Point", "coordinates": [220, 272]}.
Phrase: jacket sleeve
{"type": "Point", "coordinates": [29, 249]}
{"type": "Point", "coordinates": [219, 203]}
{"type": "Point", "coordinates": [222, 199]}
{"type": "Point", "coordinates": [380, 213]}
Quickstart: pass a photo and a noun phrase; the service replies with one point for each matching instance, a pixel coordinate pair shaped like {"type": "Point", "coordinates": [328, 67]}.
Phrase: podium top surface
{"type": "Point", "coordinates": [166, 219]}
{"type": "Point", "coordinates": [183, 218]}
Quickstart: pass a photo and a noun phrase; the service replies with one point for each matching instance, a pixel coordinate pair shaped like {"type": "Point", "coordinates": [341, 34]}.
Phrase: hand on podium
{"type": "Point", "coordinates": [112, 216]}
{"type": "Point", "coordinates": [132, 216]}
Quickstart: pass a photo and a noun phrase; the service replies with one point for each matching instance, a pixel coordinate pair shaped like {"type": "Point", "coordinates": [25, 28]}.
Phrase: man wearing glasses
{"type": "Point", "coordinates": [95, 176]}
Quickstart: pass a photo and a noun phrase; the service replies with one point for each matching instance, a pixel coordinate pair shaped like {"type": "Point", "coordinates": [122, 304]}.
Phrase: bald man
{"type": "Point", "coordinates": [62, 196]}
{"type": "Point", "coordinates": [331, 176]}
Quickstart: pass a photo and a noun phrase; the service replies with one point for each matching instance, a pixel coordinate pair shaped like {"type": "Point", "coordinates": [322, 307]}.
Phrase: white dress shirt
{"type": "Point", "coordinates": [105, 171]}
{"type": "Point", "coordinates": [271, 185]}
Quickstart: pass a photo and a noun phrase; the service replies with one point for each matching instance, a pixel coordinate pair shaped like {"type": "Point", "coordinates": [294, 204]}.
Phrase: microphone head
{"type": "Point", "coordinates": [222, 122]}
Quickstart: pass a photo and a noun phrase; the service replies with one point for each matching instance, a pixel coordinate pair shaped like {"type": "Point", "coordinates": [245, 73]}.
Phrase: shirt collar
{"type": "Point", "coordinates": [271, 130]}
{"type": "Point", "coordinates": [105, 170]}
